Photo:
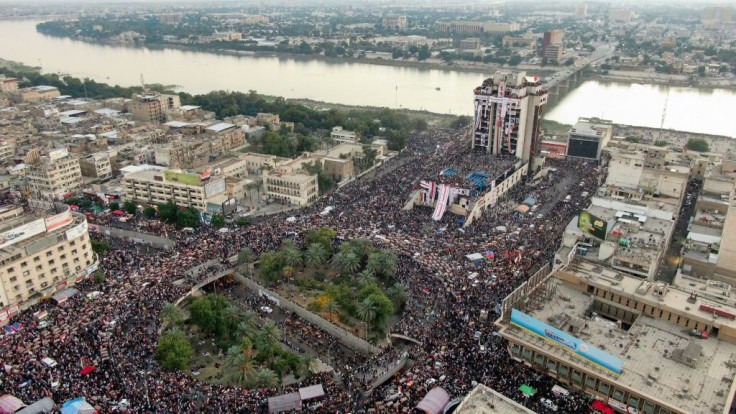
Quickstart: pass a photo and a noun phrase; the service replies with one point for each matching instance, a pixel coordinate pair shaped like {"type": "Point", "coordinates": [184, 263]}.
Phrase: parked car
{"type": "Point", "coordinates": [548, 404]}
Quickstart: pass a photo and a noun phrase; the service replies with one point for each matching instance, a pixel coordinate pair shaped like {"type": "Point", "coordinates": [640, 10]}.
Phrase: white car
{"type": "Point", "coordinates": [394, 397]}
{"type": "Point", "coordinates": [549, 404]}
{"type": "Point", "coordinates": [266, 310]}
{"type": "Point", "coordinates": [49, 362]}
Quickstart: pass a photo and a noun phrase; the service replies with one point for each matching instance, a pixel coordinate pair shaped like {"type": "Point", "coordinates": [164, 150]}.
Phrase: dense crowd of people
{"type": "Point", "coordinates": [117, 332]}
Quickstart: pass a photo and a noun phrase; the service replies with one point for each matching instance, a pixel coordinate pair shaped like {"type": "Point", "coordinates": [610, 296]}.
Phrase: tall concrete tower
{"type": "Point", "coordinates": [508, 114]}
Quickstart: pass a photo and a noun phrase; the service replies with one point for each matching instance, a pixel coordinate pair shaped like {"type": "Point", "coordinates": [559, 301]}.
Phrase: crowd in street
{"type": "Point", "coordinates": [443, 310]}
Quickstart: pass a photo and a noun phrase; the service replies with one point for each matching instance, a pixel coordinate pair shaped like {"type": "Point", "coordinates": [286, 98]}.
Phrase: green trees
{"type": "Point", "coordinates": [382, 263]}
{"type": "Point", "coordinates": [217, 221]}
{"type": "Point", "coordinates": [245, 256]}
{"type": "Point", "coordinates": [172, 314]}
{"type": "Point", "coordinates": [209, 313]}
{"type": "Point", "coordinates": [174, 350]}
{"type": "Point", "coordinates": [315, 255]}
{"type": "Point", "coordinates": [113, 205]}
{"type": "Point", "coordinates": [397, 295]}
{"type": "Point", "coordinates": [167, 212]}
{"type": "Point", "coordinates": [188, 217]}
{"type": "Point", "coordinates": [149, 212]}
{"type": "Point", "coordinates": [271, 265]}
{"type": "Point", "coordinates": [130, 207]}
{"type": "Point", "coordinates": [100, 247]}
{"type": "Point", "coordinates": [698, 144]}
{"type": "Point", "coordinates": [346, 261]}
{"type": "Point", "coordinates": [324, 181]}
{"type": "Point", "coordinates": [323, 236]}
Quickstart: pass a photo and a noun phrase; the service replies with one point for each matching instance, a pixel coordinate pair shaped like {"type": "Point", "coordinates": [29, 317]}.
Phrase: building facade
{"type": "Point", "coordinates": [296, 189]}
{"type": "Point", "coordinates": [395, 21]}
{"type": "Point", "coordinates": [507, 117]}
{"type": "Point", "coordinates": [183, 189]}
{"type": "Point", "coordinates": [41, 254]}
{"type": "Point", "coordinates": [588, 138]}
{"type": "Point", "coordinates": [152, 106]}
{"type": "Point", "coordinates": [54, 175]}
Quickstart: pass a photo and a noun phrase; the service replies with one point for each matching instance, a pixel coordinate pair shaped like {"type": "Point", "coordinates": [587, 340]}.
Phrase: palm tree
{"type": "Point", "coordinates": [172, 314]}
{"type": "Point", "coordinates": [272, 332]}
{"type": "Point", "coordinates": [176, 332]}
{"type": "Point", "coordinates": [367, 312]}
{"type": "Point", "coordinates": [365, 278]}
{"type": "Point", "coordinates": [397, 295]}
{"type": "Point", "coordinates": [246, 256]}
{"type": "Point", "coordinates": [232, 315]}
{"type": "Point", "coordinates": [267, 378]}
{"type": "Point", "coordinates": [292, 256]}
{"type": "Point", "coordinates": [241, 370]}
{"type": "Point", "coordinates": [248, 326]}
{"type": "Point", "coordinates": [332, 307]}
{"type": "Point", "coordinates": [315, 255]}
{"type": "Point", "coordinates": [347, 262]}
{"type": "Point", "coordinates": [307, 365]}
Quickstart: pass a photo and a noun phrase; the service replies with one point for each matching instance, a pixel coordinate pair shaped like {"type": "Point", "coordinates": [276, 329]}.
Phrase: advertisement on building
{"type": "Point", "coordinates": [229, 206]}
{"type": "Point", "coordinates": [567, 342]}
{"type": "Point", "coordinates": [59, 220]}
{"type": "Point", "coordinates": [214, 187]}
{"type": "Point", "coordinates": [77, 231]}
{"type": "Point", "coordinates": [593, 225]}
{"type": "Point", "coordinates": [23, 232]}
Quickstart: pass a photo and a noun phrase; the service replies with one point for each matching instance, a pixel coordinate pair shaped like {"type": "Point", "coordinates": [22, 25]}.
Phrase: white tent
{"type": "Point", "coordinates": [435, 401]}
{"type": "Point", "coordinates": [474, 256]}
{"type": "Point", "coordinates": [314, 391]}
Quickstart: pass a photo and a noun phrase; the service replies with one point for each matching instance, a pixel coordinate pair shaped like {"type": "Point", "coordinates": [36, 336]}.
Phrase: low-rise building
{"type": "Point", "coordinates": [40, 254]}
{"type": "Point", "coordinates": [34, 94]}
{"type": "Point", "coordinates": [395, 21]}
{"type": "Point", "coordinates": [8, 84]}
{"type": "Point", "coordinates": [342, 135]}
{"type": "Point", "coordinates": [635, 345]}
{"type": "Point", "coordinates": [96, 166]}
{"type": "Point", "coordinates": [296, 188]}
{"type": "Point", "coordinates": [153, 186]}
{"type": "Point", "coordinates": [151, 106]}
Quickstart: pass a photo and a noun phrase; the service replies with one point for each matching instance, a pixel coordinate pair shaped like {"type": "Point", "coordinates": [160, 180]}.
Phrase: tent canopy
{"type": "Point", "coordinates": [313, 391]}
{"type": "Point", "coordinates": [527, 390]}
{"type": "Point", "coordinates": [65, 294]}
{"type": "Point", "coordinates": [474, 256]}
{"type": "Point", "coordinates": [435, 401]}
{"type": "Point", "coordinates": [284, 403]}
{"type": "Point", "coordinates": [523, 208]}
{"type": "Point", "coordinates": [42, 406]}
{"type": "Point", "coordinates": [77, 406]}
{"type": "Point", "coordinates": [10, 404]}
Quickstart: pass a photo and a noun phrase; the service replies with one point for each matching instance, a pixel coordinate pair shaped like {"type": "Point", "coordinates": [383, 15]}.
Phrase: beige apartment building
{"type": "Point", "coordinates": [52, 176]}
{"type": "Point", "coordinates": [34, 93]}
{"type": "Point", "coordinates": [152, 106]}
{"type": "Point", "coordinates": [395, 21]}
{"type": "Point", "coordinates": [297, 189]}
{"type": "Point", "coordinates": [203, 192]}
{"type": "Point", "coordinates": [96, 166]}
{"type": "Point", "coordinates": [41, 254]}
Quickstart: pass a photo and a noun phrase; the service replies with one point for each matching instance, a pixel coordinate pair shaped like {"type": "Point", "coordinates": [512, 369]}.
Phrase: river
{"type": "Point", "coordinates": [441, 91]}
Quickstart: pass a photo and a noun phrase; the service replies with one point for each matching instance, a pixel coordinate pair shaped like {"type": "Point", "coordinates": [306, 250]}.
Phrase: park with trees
{"type": "Point", "coordinates": [223, 344]}
{"type": "Point", "coordinates": [350, 282]}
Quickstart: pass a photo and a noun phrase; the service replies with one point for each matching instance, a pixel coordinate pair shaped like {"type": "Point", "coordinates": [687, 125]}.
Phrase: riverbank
{"type": "Point", "coordinates": [663, 79]}
{"type": "Point", "coordinates": [719, 144]}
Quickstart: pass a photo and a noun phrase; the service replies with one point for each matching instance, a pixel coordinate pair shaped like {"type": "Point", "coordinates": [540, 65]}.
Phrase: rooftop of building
{"type": "Point", "coordinates": [485, 400]}
{"type": "Point", "coordinates": [29, 223]}
{"type": "Point", "coordinates": [294, 177]}
{"type": "Point", "coordinates": [660, 359]}
{"type": "Point", "coordinates": [219, 127]}
{"type": "Point", "coordinates": [591, 127]}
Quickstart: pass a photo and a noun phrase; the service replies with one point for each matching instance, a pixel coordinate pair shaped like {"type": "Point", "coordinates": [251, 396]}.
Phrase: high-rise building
{"type": "Point", "coordinates": [51, 177]}
{"type": "Point", "coordinates": [152, 106]}
{"type": "Point", "coordinates": [588, 137]}
{"type": "Point", "coordinates": [40, 254]}
{"type": "Point", "coordinates": [553, 44]}
{"type": "Point", "coordinates": [508, 112]}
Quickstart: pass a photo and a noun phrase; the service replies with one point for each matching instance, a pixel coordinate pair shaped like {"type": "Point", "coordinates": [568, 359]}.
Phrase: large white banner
{"type": "Point", "coordinates": [77, 231]}
{"type": "Point", "coordinates": [23, 232]}
{"type": "Point", "coordinates": [59, 220]}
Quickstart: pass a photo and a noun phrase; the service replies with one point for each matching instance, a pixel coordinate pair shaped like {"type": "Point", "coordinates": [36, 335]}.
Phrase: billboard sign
{"type": "Point", "coordinates": [23, 232]}
{"type": "Point", "coordinates": [214, 188]}
{"type": "Point", "coordinates": [593, 225]}
{"type": "Point", "coordinates": [567, 342]}
{"type": "Point", "coordinates": [59, 220]}
{"type": "Point", "coordinates": [77, 231]}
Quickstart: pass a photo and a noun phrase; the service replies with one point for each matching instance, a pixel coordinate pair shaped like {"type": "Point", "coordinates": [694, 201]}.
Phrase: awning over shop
{"type": "Point", "coordinates": [284, 403]}
{"type": "Point", "coordinates": [435, 401]}
{"type": "Point", "coordinates": [315, 391]}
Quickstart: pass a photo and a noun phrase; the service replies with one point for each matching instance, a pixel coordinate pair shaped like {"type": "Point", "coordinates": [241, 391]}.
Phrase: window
{"type": "Point", "coordinates": [590, 382]}
{"type": "Point", "coordinates": [61, 248]}
{"type": "Point", "coordinates": [48, 254]}
{"type": "Point", "coordinates": [51, 262]}
{"type": "Point", "coordinates": [26, 273]}
{"type": "Point", "coordinates": [36, 259]}
{"type": "Point", "coordinates": [552, 366]}
{"type": "Point", "coordinates": [24, 264]}
{"type": "Point", "coordinates": [577, 377]}
{"type": "Point", "coordinates": [515, 349]}
{"type": "Point", "coordinates": [39, 267]}
{"type": "Point", "coordinates": [539, 359]}
{"type": "Point", "coordinates": [11, 270]}
{"type": "Point", "coordinates": [564, 371]}
{"type": "Point", "coordinates": [604, 387]}
{"type": "Point", "coordinates": [634, 401]}
{"type": "Point", "coordinates": [13, 279]}
{"type": "Point", "coordinates": [648, 407]}
{"type": "Point", "coordinates": [527, 354]}
{"type": "Point", "coordinates": [618, 395]}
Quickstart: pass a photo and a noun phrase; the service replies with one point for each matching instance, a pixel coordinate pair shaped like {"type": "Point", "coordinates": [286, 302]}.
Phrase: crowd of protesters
{"type": "Point", "coordinates": [117, 332]}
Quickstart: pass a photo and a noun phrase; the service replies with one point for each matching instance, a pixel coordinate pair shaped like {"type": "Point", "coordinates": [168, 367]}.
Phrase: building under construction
{"type": "Point", "coordinates": [508, 114]}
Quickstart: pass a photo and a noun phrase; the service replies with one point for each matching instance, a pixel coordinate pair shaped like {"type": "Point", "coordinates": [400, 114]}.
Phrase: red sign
{"type": "Point", "coordinates": [716, 311]}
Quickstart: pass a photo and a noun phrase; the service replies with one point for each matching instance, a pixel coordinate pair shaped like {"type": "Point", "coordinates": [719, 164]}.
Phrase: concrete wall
{"type": "Point", "coordinates": [134, 236]}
